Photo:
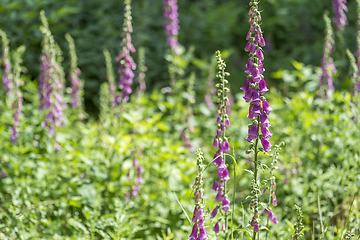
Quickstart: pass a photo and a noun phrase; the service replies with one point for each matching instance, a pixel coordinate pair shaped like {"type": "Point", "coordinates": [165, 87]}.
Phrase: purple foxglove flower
{"type": "Point", "coordinates": [214, 212]}
{"type": "Point", "coordinates": [217, 159]}
{"type": "Point", "coordinates": [253, 131]}
{"type": "Point", "coordinates": [270, 215]}
{"type": "Point", "coordinates": [264, 119]}
{"type": "Point", "coordinates": [261, 67]}
{"type": "Point", "coordinates": [275, 202]}
{"type": "Point", "coordinates": [223, 174]}
{"type": "Point", "coordinates": [257, 38]}
{"type": "Point", "coordinates": [247, 47]}
{"type": "Point", "coordinates": [227, 122]}
{"type": "Point", "coordinates": [201, 223]}
{"type": "Point", "coordinates": [248, 35]}
{"type": "Point", "coordinates": [266, 107]}
{"type": "Point", "coordinates": [222, 127]}
{"type": "Point", "coordinates": [219, 196]}
{"type": "Point", "coordinates": [256, 228]}
{"type": "Point", "coordinates": [266, 133]}
{"type": "Point", "coordinates": [218, 120]}
{"type": "Point", "coordinates": [266, 211]}
{"type": "Point", "coordinates": [262, 87]}
{"type": "Point", "coordinates": [171, 23]}
{"type": "Point", "coordinates": [259, 32]}
{"type": "Point", "coordinates": [203, 234]}
{"type": "Point", "coordinates": [274, 220]}
{"type": "Point", "coordinates": [246, 85]}
{"type": "Point", "coordinates": [256, 98]}
{"type": "Point", "coordinates": [195, 214]}
{"type": "Point", "coordinates": [253, 223]}
{"type": "Point", "coordinates": [218, 133]}
{"type": "Point", "coordinates": [216, 228]}
{"type": "Point", "coordinates": [256, 75]}
{"type": "Point", "coordinates": [248, 94]}
{"type": "Point", "coordinates": [266, 145]}
{"type": "Point", "coordinates": [252, 47]}
{"type": "Point", "coordinates": [194, 232]}
{"type": "Point", "coordinates": [259, 54]}
{"type": "Point", "coordinates": [249, 67]}
{"type": "Point", "coordinates": [216, 143]}
{"type": "Point", "coordinates": [221, 165]}
{"type": "Point", "coordinates": [221, 147]}
{"type": "Point", "coordinates": [215, 186]}
{"type": "Point", "coordinates": [226, 146]}
{"type": "Point", "coordinates": [225, 204]}
{"type": "Point", "coordinates": [262, 42]}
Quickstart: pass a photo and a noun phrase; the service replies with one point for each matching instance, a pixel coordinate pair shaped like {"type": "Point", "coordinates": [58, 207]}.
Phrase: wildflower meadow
{"type": "Point", "coordinates": [180, 119]}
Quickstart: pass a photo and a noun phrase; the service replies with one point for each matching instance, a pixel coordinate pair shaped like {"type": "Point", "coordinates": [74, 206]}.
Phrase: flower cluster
{"type": "Point", "coordinates": [138, 171]}
{"type": "Point", "coordinates": [51, 81]}
{"type": "Point", "coordinates": [171, 23]}
{"type": "Point", "coordinates": [77, 85]}
{"type": "Point", "coordinates": [199, 231]}
{"type": "Point", "coordinates": [221, 143]}
{"type": "Point", "coordinates": [298, 225]}
{"type": "Point", "coordinates": [255, 85]}
{"type": "Point", "coordinates": [327, 63]}
{"type": "Point", "coordinates": [340, 8]}
{"type": "Point", "coordinates": [127, 64]}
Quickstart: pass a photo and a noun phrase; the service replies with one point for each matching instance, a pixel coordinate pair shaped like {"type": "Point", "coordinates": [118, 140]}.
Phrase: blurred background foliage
{"type": "Point", "coordinates": [293, 29]}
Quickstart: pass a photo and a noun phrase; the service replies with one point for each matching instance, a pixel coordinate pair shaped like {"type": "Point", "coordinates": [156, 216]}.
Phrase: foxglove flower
{"type": "Point", "coordinates": [340, 8]}
{"type": "Point", "coordinates": [7, 78]}
{"type": "Point", "coordinates": [199, 230]}
{"type": "Point", "coordinates": [127, 64]}
{"type": "Point", "coordinates": [171, 22]}
{"type": "Point", "coordinates": [137, 173]}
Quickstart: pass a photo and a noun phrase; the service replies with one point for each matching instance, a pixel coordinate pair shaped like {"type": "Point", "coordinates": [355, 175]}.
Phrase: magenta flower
{"type": "Point", "coordinates": [216, 228]}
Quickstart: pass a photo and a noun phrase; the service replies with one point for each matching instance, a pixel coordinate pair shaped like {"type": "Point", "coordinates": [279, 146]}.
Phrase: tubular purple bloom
{"type": "Point", "coordinates": [216, 143]}
{"type": "Point", "coordinates": [203, 234]}
{"type": "Point", "coordinates": [256, 98]}
{"type": "Point", "coordinates": [266, 133]}
{"type": "Point", "coordinates": [253, 131]}
{"type": "Point", "coordinates": [266, 211]}
{"type": "Point", "coordinates": [227, 122]}
{"type": "Point", "coordinates": [248, 94]}
{"type": "Point", "coordinates": [256, 228]}
{"type": "Point", "coordinates": [219, 196]}
{"type": "Point", "coordinates": [215, 186]}
{"type": "Point", "coordinates": [253, 223]}
{"type": "Point", "coordinates": [194, 232]}
{"type": "Point", "coordinates": [225, 204]}
{"type": "Point", "coordinates": [247, 47]}
{"type": "Point", "coordinates": [223, 174]}
{"type": "Point", "coordinates": [216, 228]}
{"type": "Point", "coordinates": [214, 212]}
{"type": "Point", "coordinates": [259, 54]}
{"type": "Point", "coordinates": [266, 107]}
{"type": "Point", "coordinates": [266, 145]}
{"type": "Point", "coordinates": [226, 146]}
{"type": "Point", "coordinates": [262, 87]}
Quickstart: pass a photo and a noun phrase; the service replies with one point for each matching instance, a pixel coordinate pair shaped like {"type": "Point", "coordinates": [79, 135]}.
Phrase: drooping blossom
{"type": "Point", "coordinates": [127, 64]}
{"type": "Point", "coordinates": [171, 23]}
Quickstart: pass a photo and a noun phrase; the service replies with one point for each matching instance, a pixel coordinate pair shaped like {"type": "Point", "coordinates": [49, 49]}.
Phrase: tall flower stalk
{"type": "Point", "coordinates": [142, 70]}
{"type": "Point", "coordinates": [51, 81]}
{"type": "Point", "coordinates": [127, 64]}
{"type": "Point", "coordinates": [259, 109]}
{"type": "Point", "coordinates": [222, 144]}
{"type": "Point", "coordinates": [199, 230]}
{"type": "Point", "coordinates": [171, 23]}
{"type": "Point", "coordinates": [326, 87]}
{"type": "Point", "coordinates": [77, 85]}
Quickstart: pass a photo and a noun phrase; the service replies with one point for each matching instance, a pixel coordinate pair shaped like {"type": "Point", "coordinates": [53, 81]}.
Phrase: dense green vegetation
{"type": "Point", "coordinates": [129, 172]}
